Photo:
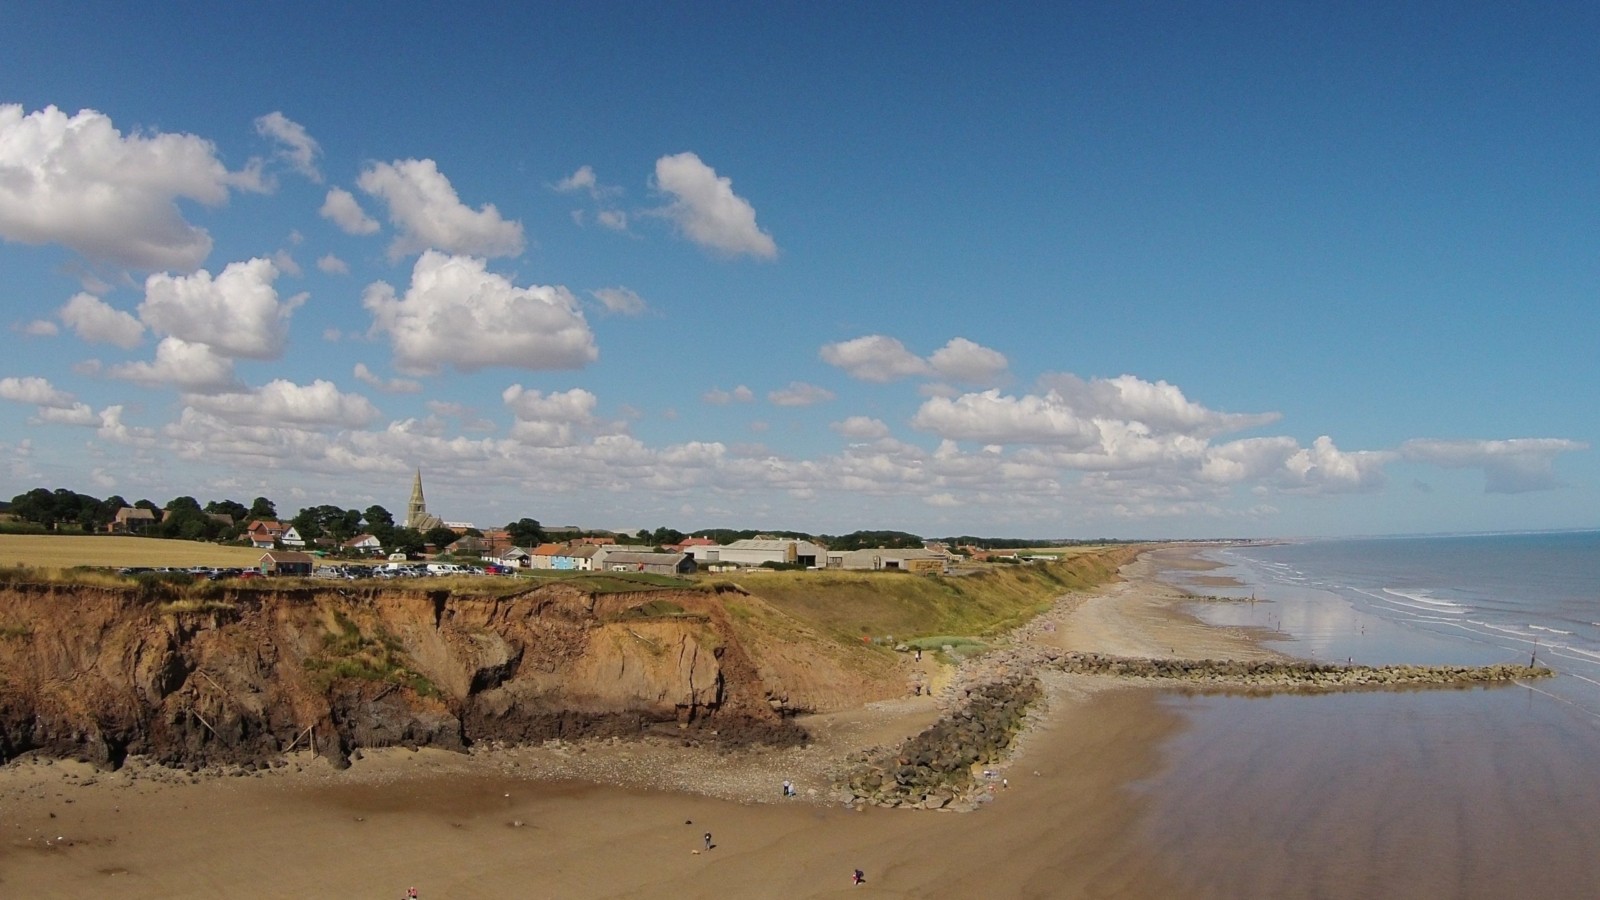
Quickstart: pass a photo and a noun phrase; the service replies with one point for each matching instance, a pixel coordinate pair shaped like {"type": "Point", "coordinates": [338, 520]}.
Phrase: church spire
{"type": "Point", "coordinates": [417, 509]}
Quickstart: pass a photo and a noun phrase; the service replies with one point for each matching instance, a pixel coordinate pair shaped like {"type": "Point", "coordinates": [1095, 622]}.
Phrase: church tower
{"type": "Point", "coordinates": [417, 509]}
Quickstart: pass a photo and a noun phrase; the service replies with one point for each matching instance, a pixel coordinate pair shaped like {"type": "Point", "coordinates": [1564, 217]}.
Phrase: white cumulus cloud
{"type": "Point", "coordinates": [1327, 468]}
{"type": "Point", "coordinates": [236, 314]}
{"type": "Point", "coordinates": [876, 358]}
{"type": "Point", "coordinates": [720, 397]}
{"type": "Point", "coordinates": [549, 420]}
{"type": "Point", "coordinates": [179, 363]}
{"type": "Point", "coordinates": [1509, 466]}
{"type": "Point", "coordinates": [295, 145]}
{"type": "Point", "coordinates": [424, 207]}
{"type": "Point", "coordinates": [35, 390]}
{"type": "Point", "coordinates": [799, 393]}
{"type": "Point", "coordinates": [965, 361]}
{"type": "Point", "coordinates": [458, 313]}
{"type": "Point", "coordinates": [1159, 405]}
{"type": "Point", "coordinates": [343, 209]}
{"type": "Point", "coordinates": [284, 403]}
{"type": "Point", "coordinates": [78, 181]}
{"type": "Point", "coordinates": [95, 320]}
{"type": "Point", "coordinates": [389, 386]}
{"type": "Point", "coordinates": [861, 428]}
{"type": "Point", "coordinates": [990, 417]}
{"type": "Point", "coordinates": [333, 265]}
{"type": "Point", "coordinates": [707, 211]}
{"type": "Point", "coordinates": [76, 414]}
{"type": "Point", "coordinates": [620, 301]}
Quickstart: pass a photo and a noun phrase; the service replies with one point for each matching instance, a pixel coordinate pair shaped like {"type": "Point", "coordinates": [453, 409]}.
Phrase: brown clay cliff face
{"type": "Point", "coordinates": [101, 673]}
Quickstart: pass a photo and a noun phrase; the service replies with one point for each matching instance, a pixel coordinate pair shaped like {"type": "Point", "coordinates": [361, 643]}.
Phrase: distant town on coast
{"type": "Point", "coordinates": [374, 533]}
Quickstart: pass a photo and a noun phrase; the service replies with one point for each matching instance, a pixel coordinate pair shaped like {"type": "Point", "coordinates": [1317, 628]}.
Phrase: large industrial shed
{"type": "Point", "coordinates": [755, 551]}
{"type": "Point", "coordinates": [657, 563]}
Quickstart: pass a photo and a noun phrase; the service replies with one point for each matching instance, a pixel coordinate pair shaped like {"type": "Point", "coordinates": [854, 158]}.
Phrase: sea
{"type": "Point", "coordinates": [1439, 792]}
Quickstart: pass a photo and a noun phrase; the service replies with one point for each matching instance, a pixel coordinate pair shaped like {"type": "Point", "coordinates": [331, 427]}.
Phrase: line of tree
{"type": "Point", "coordinates": [184, 518]}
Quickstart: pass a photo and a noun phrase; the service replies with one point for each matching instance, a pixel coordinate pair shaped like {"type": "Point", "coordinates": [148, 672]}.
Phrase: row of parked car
{"type": "Point", "coordinates": [210, 573]}
{"type": "Point", "coordinates": [408, 570]}
{"type": "Point", "coordinates": [348, 572]}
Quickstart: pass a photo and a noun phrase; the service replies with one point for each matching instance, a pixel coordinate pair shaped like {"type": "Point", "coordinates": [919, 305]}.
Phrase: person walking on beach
{"type": "Point", "coordinates": [859, 877]}
{"type": "Point", "coordinates": [708, 840]}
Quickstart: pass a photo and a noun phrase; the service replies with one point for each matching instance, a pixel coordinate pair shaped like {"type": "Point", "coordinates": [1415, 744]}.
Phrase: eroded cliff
{"type": "Point", "coordinates": [243, 675]}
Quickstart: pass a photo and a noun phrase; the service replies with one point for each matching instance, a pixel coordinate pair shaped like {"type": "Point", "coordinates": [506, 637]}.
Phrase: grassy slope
{"type": "Point", "coordinates": [849, 605]}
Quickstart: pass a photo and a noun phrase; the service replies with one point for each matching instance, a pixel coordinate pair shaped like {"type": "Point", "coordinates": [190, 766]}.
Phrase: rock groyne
{"type": "Point", "coordinates": [1285, 675]}
{"type": "Point", "coordinates": [989, 703]}
{"type": "Point", "coordinates": [935, 768]}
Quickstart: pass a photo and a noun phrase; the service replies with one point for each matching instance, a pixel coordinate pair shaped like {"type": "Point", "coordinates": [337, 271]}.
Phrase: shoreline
{"type": "Point", "coordinates": [174, 834]}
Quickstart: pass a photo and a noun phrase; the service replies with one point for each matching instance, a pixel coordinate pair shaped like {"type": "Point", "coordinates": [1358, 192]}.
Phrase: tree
{"type": "Point", "coordinates": [664, 536]}
{"type": "Point", "coordinates": [440, 536]}
{"type": "Point", "coordinates": [345, 526]}
{"type": "Point", "coordinates": [404, 540]}
{"type": "Point", "coordinates": [327, 521]}
{"type": "Point", "coordinates": [377, 517]}
{"type": "Point", "coordinates": [262, 508]}
{"type": "Point", "coordinates": [59, 507]}
{"type": "Point", "coordinates": [526, 532]}
{"type": "Point", "coordinates": [109, 507]}
{"type": "Point", "coordinates": [188, 523]}
{"type": "Point", "coordinates": [233, 509]}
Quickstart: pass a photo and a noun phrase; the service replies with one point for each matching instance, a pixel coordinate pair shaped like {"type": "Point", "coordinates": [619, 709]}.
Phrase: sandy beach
{"type": "Point", "coordinates": [628, 819]}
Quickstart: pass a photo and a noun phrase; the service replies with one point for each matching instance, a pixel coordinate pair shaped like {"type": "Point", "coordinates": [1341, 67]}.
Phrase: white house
{"type": "Point", "coordinates": [363, 543]}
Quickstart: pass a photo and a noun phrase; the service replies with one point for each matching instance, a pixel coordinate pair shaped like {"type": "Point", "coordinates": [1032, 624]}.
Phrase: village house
{"type": "Point", "coordinates": [363, 544]}
{"type": "Point", "coordinates": [577, 559]}
{"type": "Point", "coordinates": [517, 558]}
{"type": "Point", "coordinates": [132, 520]}
{"type": "Point", "coordinates": [265, 534]}
{"type": "Point", "coordinates": [544, 555]}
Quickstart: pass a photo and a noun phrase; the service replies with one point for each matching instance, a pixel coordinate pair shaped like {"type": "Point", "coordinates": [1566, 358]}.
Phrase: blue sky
{"type": "Point", "coordinates": [1139, 271]}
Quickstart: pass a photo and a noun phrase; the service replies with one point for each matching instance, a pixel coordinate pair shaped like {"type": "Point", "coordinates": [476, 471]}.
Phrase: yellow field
{"type": "Point", "coordinates": [64, 551]}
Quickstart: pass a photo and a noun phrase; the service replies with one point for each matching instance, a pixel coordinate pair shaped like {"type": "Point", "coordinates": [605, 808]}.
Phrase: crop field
{"type": "Point", "coordinates": [52, 551]}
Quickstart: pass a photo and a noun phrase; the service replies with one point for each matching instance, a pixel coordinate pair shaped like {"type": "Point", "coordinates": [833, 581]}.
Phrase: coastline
{"type": "Point", "coordinates": [569, 816]}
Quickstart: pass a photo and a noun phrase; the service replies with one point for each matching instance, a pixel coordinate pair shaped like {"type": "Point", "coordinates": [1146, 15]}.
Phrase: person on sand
{"type": "Point", "coordinates": [858, 878]}
{"type": "Point", "coordinates": [708, 840]}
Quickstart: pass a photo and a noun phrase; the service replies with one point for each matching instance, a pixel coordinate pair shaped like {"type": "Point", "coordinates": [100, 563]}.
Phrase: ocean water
{"type": "Point", "coordinates": [1468, 599]}
{"type": "Point", "coordinates": [1454, 792]}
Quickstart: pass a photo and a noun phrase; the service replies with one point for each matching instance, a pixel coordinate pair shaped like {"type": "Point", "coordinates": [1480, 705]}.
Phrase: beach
{"type": "Point", "coordinates": [1115, 791]}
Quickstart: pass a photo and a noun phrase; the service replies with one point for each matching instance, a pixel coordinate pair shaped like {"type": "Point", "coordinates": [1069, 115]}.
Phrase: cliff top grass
{"type": "Point", "coordinates": [850, 606]}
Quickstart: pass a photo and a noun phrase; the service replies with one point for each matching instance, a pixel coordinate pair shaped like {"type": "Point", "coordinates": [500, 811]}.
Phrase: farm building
{"type": "Point", "coordinates": [755, 551]}
{"type": "Point", "coordinates": [286, 562]}
{"type": "Point", "coordinates": [655, 563]}
{"type": "Point", "coordinates": [877, 559]}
